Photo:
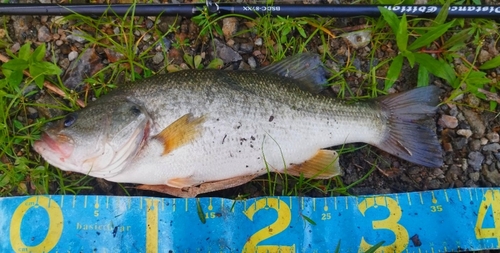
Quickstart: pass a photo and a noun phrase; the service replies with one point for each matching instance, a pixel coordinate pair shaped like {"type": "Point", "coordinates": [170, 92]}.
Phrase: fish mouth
{"type": "Point", "coordinates": [61, 146]}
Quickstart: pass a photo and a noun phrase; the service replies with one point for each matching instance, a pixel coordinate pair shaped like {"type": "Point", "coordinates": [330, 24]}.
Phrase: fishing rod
{"type": "Point", "coordinates": [251, 10]}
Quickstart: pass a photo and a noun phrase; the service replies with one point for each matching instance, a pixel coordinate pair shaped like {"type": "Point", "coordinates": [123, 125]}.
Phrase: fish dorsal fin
{"type": "Point", "coordinates": [306, 68]}
{"type": "Point", "coordinates": [324, 164]}
{"type": "Point", "coordinates": [180, 132]}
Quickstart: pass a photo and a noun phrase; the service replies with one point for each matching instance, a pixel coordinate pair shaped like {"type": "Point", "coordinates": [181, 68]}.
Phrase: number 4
{"type": "Point", "coordinates": [491, 200]}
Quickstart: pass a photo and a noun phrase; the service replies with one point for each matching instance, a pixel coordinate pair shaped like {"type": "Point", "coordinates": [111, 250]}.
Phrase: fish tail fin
{"type": "Point", "coordinates": [411, 127]}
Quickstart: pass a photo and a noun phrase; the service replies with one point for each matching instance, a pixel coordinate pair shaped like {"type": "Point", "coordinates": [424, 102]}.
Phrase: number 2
{"type": "Point", "coordinates": [284, 218]}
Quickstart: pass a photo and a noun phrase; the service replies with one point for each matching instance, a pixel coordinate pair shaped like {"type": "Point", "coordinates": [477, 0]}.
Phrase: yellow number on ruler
{"type": "Point", "coordinates": [284, 218]}
{"type": "Point", "coordinates": [55, 224]}
{"type": "Point", "coordinates": [152, 225]}
{"type": "Point", "coordinates": [491, 199]}
{"type": "Point", "coordinates": [390, 223]}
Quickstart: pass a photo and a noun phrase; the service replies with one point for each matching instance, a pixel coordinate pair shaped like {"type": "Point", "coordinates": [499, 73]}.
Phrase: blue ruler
{"type": "Point", "coordinates": [431, 221]}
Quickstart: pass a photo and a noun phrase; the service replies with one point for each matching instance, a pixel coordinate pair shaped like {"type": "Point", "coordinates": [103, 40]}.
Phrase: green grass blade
{"type": "Point", "coordinates": [393, 72]}
{"type": "Point", "coordinates": [402, 34]}
{"type": "Point", "coordinates": [436, 67]}
{"type": "Point", "coordinates": [430, 36]}
{"type": "Point", "coordinates": [391, 18]}
{"type": "Point", "coordinates": [491, 64]}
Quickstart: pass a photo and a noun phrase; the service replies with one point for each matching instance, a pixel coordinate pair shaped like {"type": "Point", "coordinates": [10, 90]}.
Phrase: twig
{"type": "Point", "coordinates": [47, 84]}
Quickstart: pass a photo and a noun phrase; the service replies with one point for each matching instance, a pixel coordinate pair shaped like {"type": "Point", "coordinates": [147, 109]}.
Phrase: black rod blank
{"type": "Point", "coordinates": [252, 10]}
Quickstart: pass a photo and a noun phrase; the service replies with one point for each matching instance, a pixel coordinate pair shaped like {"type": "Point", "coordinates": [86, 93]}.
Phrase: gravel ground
{"type": "Point", "coordinates": [469, 132]}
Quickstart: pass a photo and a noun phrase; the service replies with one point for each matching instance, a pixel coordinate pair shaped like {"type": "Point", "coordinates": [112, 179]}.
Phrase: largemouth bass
{"type": "Point", "coordinates": [194, 131]}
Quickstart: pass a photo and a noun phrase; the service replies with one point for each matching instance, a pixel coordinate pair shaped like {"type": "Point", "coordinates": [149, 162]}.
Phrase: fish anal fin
{"type": "Point", "coordinates": [181, 182]}
{"type": "Point", "coordinates": [180, 132]}
{"type": "Point", "coordinates": [193, 191]}
{"type": "Point", "coordinates": [324, 164]}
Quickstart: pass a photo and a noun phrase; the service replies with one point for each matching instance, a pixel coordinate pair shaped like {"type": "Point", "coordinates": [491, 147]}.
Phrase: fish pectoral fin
{"type": "Point", "coordinates": [180, 132]}
{"type": "Point", "coordinates": [182, 182]}
{"type": "Point", "coordinates": [324, 164]}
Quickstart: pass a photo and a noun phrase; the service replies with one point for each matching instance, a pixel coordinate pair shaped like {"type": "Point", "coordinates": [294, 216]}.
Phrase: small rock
{"type": "Point", "coordinates": [226, 53]}
{"type": "Point", "coordinates": [472, 100]}
{"type": "Point", "coordinates": [14, 48]}
{"type": "Point", "coordinates": [483, 56]}
{"type": "Point", "coordinates": [491, 147]}
{"type": "Point", "coordinates": [474, 176]}
{"type": "Point", "coordinates": [492, 176]}
{"type": "Point", "coordinates": [59, 43]}
{"type": "Point", "coordinates": [246, 48]}
{"type": "Point", "coordinates": [358, 39]}
{"type": "Point", "coordinates": [475, 121]}
{"type": "Point", "coordinates": [484, 141]}
{"type": "Point", "coordinates": [158, 58]}
{"type": "Point", "coordinates": [44, 34]}
{"type": "Point", "coordinates": [459, 143]}
{"type": "Point", "coordinates": [464, 132]}
{"type": "Point", "coordinates": [65, 49]}
{"type": "Point", "coordinates": [72, 55]}
{"type": "Point", "coordinates": [448, 121]}
{"type": "Point", "coordinates": [475, 160]}
{"type": "Point", "coordinates": [493, 137]}
{"type": "Point", "coordinates": [252, 63]}
{"type": "Point", "coordinates": [258, 42]}
{"type": "Point", "coordinates": [64, 63]}
{"type": "Point", "coordinates": [475, 145]}
{"type": "Point", "coordinates": [77, 36]}
{"type": "Point", "coordinates": [229, 27]}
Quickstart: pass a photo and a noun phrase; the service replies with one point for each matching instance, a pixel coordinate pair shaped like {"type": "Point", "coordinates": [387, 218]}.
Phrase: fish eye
{"type": "Point", "coordinates": [135, 110]}
{"type": "Point", "coordinates": [69, 120]}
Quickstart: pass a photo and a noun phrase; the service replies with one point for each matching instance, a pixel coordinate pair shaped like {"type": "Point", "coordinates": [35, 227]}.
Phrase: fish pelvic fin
{"type": "Point", "coordinates": [306, 68]}
{"type": "Point", "coordinates": [324, 164]}
{"type": "Point", "coordinates": [411, 128]}
{"type": "Point", "coordinates": [180, 132]}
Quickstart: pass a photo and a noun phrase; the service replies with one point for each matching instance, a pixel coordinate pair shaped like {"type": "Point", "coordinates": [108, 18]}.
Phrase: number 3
{"type": "Point", "coordinates": [390, 223]}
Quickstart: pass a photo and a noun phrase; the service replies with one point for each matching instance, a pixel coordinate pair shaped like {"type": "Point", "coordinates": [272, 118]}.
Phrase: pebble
{"type": "Point", "coordinates": [464, 132]}
{"type": "Point", "coordinates": [491, 147]}
{"type": "Point", "coordinates": [77, 36]}
{"type": "Point", "coordinates": [72, 55]}
{"type": "Point", "coordinates": [475, 160]}
{"type": "Point", "coordinates": [44, 34]}
{"type": "Point", "coordinates": [246, 48]}
{"type": "Point", "coordinates": [358, 39]}
{"type": "Point", "coordinates": [459, 143]}
{"type": "Point", "coordinates": [483, 56]}
{"type": "Point", "coordinates": [258, 42]}
{"type": "Point", "coordinates": [252, 62]}
{"type": "Point", "coordinates": [484, 141]}
{"type": "Point", "coordinates": [475, 145]}
{"type": "Point", "coordinates": [64, 63]}
{"type": "Point", "coordinates": [14, 48]}
{"type": "Point", "coordinates": [229, 27]}
{"type": "Point", "coordinates": [474, 176]}
{"type": "Point", "coordinates": [476, 123]}
{"type": "Point", "coordinates": [226, 53]}
{"type": "Point", "coordinates": [158, 58]}
{"type": "Point", "coordinates": [492, 176]}
{"type": "Point", "coordinates": [448, 121]}
{"type": "Point", "coordinates": [493, 137]}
